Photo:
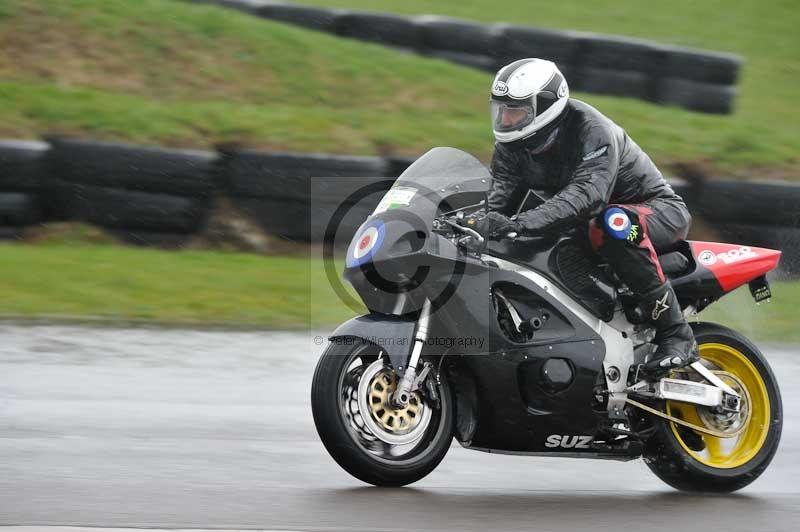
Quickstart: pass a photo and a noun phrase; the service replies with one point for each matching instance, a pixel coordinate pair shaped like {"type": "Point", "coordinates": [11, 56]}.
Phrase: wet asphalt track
{"type": "Point", "coordinates": [186, 429]}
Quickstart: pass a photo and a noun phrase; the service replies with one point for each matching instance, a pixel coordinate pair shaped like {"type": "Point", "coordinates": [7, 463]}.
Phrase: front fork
{"type": "Point", "coordinates": [410, 380]}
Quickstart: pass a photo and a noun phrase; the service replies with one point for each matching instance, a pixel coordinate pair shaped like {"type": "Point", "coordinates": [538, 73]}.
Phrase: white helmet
{"type": "Point", "coordinates": [526, 96]}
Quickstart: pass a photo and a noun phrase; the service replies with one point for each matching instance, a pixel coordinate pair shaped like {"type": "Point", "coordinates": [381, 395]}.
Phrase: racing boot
{"type": "Point", "coordinates": [676, 346]}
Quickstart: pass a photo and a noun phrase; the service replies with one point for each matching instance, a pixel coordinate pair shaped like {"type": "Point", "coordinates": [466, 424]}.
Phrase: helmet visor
{"type": "Point", "coordinates": [508, 116]}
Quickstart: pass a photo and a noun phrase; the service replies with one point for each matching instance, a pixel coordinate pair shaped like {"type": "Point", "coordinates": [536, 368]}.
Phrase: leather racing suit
{"type": "Point", "coordinates": [591, 167]}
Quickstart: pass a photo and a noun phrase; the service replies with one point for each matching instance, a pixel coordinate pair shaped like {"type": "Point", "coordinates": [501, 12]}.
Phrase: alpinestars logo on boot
{"type": "Point", "coordinates": [660, 307]}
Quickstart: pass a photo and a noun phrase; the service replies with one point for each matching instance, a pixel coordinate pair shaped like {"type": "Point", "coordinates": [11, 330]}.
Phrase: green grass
{"type": "Point", "coordinates": [78, 280]}
{"type": "Point", "coordinates": [73, 280]}
{"type": "Point", "coordinates": [171, 72]}
{"type": "Point", "coordinates": [765, 127]}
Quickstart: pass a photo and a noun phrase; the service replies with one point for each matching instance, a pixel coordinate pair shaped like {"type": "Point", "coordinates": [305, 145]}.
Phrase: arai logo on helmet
{"type": "Point", "coordinates": [500, 88]}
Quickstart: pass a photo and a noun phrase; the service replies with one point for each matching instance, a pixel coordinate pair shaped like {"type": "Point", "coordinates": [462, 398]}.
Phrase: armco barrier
{"type": "Point", "coordinates": [694, 79]}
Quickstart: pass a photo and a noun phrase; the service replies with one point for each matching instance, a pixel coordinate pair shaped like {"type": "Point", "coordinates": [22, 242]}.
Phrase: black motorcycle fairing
{"type": "Point", "coordinates": [567, 262]}
{"type": "Point", "coordinates": [514, 407]}
{"type": "Point", "coordinates": [392, 333]}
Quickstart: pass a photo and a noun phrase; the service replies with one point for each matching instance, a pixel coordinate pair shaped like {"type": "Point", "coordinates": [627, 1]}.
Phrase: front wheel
{"type": "Point", "coordinates": [363, 432]}
{"type": "Point", "coordinates": [694, 461]}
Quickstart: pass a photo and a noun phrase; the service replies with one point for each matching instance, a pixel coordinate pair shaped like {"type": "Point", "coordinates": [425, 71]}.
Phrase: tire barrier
{"type": "Point", "coordinates": [18, 209]}
{"type": "Point", "coordinates": [21, 165]}
{"type": "Point", "coordinates": [314, 18]}
{"type": "Point", "coordinates": [21, 171]}
{"type": "Point", "coordinates": [290, 194]}
{"type": "Point", "coordinates": [187, 173]}
{"type": "Point", "coordinates": [453, 35]}
{"type": "Point", "coordinates": [159, 196]}
{"type": "Point", "coordinates": [116, 208]}
{"type": "Point", "coordinates": [482, 62]}
{"type": "Point", "coordinates": [377, 27]}
{"type": "Point", "coordinates": [288, 175]}
{"type": "Point", "coordinates": [698, 80]}
{"type": "Point", "coordinates": [765, 203]}
{"type": "Point", "coordinates": [561, 47]}
{"type": "Point", "coordinates": [248, 6]}
{"type": "Point", "coordinates": [697, 96]}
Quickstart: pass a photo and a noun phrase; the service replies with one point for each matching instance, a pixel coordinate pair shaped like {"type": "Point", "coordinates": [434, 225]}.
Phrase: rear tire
{"type": "Point", "coordinates": [684, 459]}
{"type": "Point", "coordinates": [357, 450]}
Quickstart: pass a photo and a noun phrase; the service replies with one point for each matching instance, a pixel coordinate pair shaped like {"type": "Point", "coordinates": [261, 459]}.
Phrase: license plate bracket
{"type": "Point", "coordinates": [760, 289]}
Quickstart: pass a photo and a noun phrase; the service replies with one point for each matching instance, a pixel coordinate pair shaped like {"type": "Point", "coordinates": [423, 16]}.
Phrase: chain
{"type": "Point", "coordinates": [697, 428]}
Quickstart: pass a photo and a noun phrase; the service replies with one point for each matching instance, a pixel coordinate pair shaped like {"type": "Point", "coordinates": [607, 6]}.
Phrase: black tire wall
{"type": "Point", "coordinates": [21, 173]}
{"type": "Point", "coordinates": [698, 80]}
{"type": "Point", "coordinates": [161, 196]}
{"type": "Point", "coordinates": [296, 195]}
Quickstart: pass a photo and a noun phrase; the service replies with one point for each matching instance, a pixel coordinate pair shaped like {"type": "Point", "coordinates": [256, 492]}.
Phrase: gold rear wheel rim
{"type": "Point", "coordinates": [726, 453]}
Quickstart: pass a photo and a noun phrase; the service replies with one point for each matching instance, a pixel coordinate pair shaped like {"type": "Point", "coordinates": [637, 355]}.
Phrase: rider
{"type": "Point", "coordinates": [597, 175]}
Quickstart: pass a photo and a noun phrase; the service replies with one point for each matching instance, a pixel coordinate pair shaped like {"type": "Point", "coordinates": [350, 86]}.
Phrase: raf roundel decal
{"type": "Point", "coordinates": [707, 257]}
{"type": "Point", "coordinates": [365, 244]}
{"type": "Point", "coordinates": [617, 223]}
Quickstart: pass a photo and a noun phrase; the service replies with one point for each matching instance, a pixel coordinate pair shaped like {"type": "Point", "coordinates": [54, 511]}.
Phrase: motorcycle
{"type": "Point", "coordinates": [532, 346]}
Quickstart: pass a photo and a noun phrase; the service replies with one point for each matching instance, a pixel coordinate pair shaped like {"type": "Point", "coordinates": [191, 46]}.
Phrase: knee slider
{"type": "Point", "coordinates": [618, 224]}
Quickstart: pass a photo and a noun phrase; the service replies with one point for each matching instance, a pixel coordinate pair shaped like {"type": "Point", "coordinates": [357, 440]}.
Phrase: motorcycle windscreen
{"type": "Point", "coordinates": [443, 177]}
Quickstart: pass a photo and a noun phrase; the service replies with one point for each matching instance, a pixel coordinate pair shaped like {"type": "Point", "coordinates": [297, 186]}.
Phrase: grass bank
{"type": "Point", "coordinates": [79, 280]}
{"type": "Point", "coordinates": [172, 72]}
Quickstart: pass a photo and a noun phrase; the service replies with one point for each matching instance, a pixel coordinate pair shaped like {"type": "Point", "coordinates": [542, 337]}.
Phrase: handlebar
{"type": "Point", "coordinates": [473, 233]}
{"type": "Point", "coordinates": [466, 230]}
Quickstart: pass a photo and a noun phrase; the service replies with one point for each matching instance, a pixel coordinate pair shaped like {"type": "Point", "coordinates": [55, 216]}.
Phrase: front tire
{"type": "Point", "coordinates": [690, 461]}
{"type": "Point", "coordinates": [380, 447]}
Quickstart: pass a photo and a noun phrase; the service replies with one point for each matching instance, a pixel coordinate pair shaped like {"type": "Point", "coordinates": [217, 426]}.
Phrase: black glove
{"type": "Point", "coordinates": [492, 225]}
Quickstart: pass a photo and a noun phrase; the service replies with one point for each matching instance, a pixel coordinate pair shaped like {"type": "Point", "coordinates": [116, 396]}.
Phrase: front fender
{"type": "Point", "coordinates": [394, 334]}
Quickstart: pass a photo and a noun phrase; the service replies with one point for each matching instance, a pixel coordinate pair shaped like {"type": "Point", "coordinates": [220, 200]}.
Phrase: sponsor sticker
{"type": "Point", "coordinates": [394, 198]}
{"type": "Point", "coordinates": [736, 255]}
{"type": "Point", "coordinates": [707, 257]}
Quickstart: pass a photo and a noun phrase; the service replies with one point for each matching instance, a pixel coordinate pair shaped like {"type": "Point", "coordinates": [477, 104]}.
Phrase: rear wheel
{"type": "Point", "coordinates": [690, 460]}
{"type": "Point", "coordinates": [363, 432]}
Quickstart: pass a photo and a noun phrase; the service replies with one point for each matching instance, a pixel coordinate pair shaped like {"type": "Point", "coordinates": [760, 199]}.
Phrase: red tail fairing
{"type": "Point", "coordinates": [733, 264]}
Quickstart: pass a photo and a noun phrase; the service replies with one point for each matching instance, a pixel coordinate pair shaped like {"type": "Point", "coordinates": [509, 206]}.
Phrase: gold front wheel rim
{"type": "Point", "coordinates": [726, 453]}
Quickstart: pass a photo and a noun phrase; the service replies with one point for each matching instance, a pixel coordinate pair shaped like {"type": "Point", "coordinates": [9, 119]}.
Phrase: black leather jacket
{"type": "Point", "coordinates": [591, 164]}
